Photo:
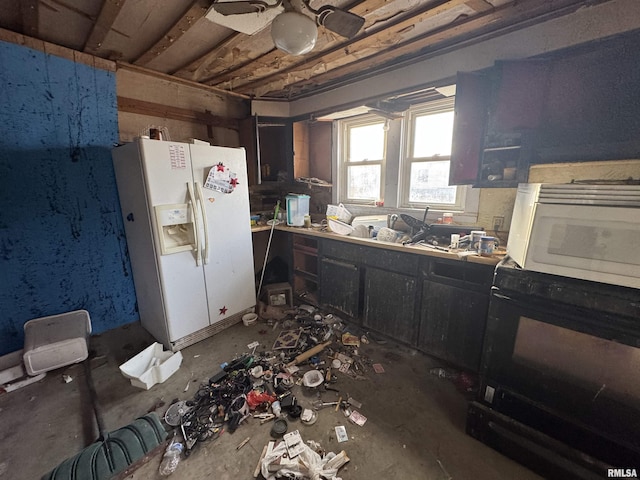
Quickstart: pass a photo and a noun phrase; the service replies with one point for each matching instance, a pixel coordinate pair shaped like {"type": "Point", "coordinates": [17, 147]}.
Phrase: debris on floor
{"type": "Point", "coordinates": [310, 351]}
{"type": "Point", "coordinates": [464, 382]}
{"type": "Point", "coordinates": [292, 458]}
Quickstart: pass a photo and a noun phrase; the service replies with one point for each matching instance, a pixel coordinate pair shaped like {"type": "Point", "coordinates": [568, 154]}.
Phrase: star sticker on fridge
{"type": "Point", "coordinates": [220, 167]}
{"type": "Point", "coordinates": [223, 310]}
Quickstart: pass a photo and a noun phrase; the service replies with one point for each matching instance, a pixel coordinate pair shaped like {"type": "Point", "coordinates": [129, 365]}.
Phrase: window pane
{"type": "Point", "coordinates": [366, 143]}
{"type": "Point", "coordinates": [432, 135]}
{"type": "Point", "coordinates": [363, 182]}
{"type": "Point", "coordinates": [429, 183]}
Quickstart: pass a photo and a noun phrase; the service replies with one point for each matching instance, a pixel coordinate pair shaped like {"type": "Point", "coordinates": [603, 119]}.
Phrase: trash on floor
{"type": "Point", "coordinates": [258, 385]}
{"type": "Point", "coordinates": [341, 433]}
{"type": "Point", "coordinates": [151, 366]}
{"type": "Point", "coordinates": [292, 458]}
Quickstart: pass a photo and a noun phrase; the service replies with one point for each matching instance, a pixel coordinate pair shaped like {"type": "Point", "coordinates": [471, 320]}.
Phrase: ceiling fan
{"type": "Point", "coordinates": [293, 31]}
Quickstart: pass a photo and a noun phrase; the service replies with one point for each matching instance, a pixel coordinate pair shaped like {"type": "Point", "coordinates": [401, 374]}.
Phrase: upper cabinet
{"type": "Point", "coordinates": [497, 112]}
{"type": "Point", "coordinates": [577, 105]}
{"type": "Point", "coordinates": [269, 145]}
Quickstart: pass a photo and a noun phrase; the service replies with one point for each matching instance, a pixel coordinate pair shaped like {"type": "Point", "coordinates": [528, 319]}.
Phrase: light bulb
{"type": "Point", "coordinates": [294, 33]}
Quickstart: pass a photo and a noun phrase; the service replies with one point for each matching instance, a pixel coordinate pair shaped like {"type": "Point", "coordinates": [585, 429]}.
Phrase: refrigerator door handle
{"type": "Point", "coordinates": [203, 209]}
{"type": "Point", "coordinates": [194, 219]}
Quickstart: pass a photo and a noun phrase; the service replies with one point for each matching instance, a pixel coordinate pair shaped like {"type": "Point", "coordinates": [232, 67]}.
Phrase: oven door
{"type": "Point", "coordinates": [564, 372]}
{"type": "Point", "coordinates": [588, 242]}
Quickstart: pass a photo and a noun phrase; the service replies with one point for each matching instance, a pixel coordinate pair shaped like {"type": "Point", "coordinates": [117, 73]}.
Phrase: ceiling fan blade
{"type": "Point", "coordinates": [240, 7]}
{"type": "Point", "coordinates": [343, 23]}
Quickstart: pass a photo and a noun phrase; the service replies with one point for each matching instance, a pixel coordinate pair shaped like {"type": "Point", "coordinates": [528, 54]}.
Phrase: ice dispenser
{"type": "Point", "coordinates": [175, 228]}
{"type": "Point", "coordinates": [297, 208]}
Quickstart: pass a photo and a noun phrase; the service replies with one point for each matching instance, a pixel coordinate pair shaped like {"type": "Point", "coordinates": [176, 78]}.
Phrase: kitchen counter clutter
{"type": "Point", "coordinates": [433, 300]}
{"type": "Point", "coordinates": [492, 260]}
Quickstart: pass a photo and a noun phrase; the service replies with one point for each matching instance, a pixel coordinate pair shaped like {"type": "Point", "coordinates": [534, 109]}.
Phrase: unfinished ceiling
{"type": "Point", "coordinates": [177, 38]}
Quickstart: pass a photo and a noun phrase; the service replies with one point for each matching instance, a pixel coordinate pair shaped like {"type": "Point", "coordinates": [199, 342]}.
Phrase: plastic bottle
{"type": "Point", "coordinates": [439, 372]}
{"type": "Point", "coordinates": [170, 459]}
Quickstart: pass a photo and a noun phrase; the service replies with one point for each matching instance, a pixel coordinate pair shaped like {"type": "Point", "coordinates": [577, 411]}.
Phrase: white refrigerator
{"type": "Point", "coordinates": [186, 216]}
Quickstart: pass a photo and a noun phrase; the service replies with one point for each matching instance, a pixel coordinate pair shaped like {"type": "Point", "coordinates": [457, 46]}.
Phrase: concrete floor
{"type": "Point", "coordinates": [415, 427]}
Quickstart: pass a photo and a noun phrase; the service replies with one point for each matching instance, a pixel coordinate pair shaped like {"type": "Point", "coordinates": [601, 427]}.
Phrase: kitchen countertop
{"type": "Point", "coordinates": [398, 247]}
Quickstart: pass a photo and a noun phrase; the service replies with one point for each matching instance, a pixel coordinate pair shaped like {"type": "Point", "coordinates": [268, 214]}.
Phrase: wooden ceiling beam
{"type": "Point", "coordinates": [184, 81]}
{"type": "Point", "coordinates": [194, 13]}
{"type": "Point", "coordinates": [386, 35]}
{"type": "Point", "coordinates": [152, 109]}
{"type": "Point", "coordinates": [194, 70]}
{"type": "Point", "coordinates": [101, 28]}
{"type": "Point", "coordinates": [29, 16]}
{"type": "Point", "coordinates": [479, 5]}
{"type": "Point", "coordinates": [225, 59]}
{"type": "Point", "coordinates": [296, 82]}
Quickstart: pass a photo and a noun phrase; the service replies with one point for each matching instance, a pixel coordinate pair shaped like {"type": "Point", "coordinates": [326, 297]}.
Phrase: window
{"type": "Point", "coordinates": [414, 149]}
{"type": "Point", "coordinates": [425, 164]}
{"type": "Point", "coordinates": [364, 155]}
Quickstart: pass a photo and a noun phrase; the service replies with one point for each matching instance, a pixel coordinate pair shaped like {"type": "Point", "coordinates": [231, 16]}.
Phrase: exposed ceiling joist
{"type": "Point", "coordinates": [195, 12]}
{"type": "Point", "coordinates": [30, 17]}
{"type": "Point", "coordinates": [108, 14]}
{"type": "Point", "coordinates": [379, 39]}
{"type": "Point", "coordinates": [167, 36]}
{"type": "Point", "coordinates": [468, 29]}
{"type": "Point", "coordinates": [242, 60]}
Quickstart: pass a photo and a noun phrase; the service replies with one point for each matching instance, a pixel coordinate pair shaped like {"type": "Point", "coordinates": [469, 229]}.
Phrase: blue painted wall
{"type": "Point", "coordinates": [62, 242]}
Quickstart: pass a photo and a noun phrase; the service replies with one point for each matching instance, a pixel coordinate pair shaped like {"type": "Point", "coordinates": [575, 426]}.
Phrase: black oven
{"type": "Point", "coordinates": [560, 374]}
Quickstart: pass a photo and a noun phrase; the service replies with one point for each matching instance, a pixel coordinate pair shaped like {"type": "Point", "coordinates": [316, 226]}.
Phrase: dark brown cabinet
{"type": "Point", "coordinates": [305, 268]}
{"type": "Point", "coordinates": [268, 142]}
{"type": "Point", "coordinates": [453, 314]}
{"type": "Point", "coordinates": [453, 324]}
{"type": "Point", "coordinates": [340, 286]}
{"type": "Point", "coordinates": [389, 304]}
{"type": "Point", "coordinates": [497, 113]}
{"type": "Point", "coordinates": [436, 305]}
{"type": "Point", "coordinates": [580, 104]}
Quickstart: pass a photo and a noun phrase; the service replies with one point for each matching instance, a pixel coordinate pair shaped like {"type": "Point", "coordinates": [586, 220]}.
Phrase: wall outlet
{"type": "Point", "coordinates": [498, 222]}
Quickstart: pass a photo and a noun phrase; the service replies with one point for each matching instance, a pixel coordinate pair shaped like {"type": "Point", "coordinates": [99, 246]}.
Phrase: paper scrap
{"type": "Point", "coordinates": [350, 339]}
{"type": "Point", "coordinates": [341, 433]}
{"type": "Point", "coordinates": [378, 368]}
{"type": "Point", "coordinates": [357, 418]}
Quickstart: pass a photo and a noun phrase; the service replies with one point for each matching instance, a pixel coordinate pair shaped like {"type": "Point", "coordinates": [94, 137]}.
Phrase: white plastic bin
{"type": "Point", "coordinates": [297, 208]}
{"type": "Point", "coordinates": [152, 365]}
{"type": "Point", "coordinates": [56, 341]}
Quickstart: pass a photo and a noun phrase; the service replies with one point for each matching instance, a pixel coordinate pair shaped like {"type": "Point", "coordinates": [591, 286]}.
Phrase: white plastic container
{"type": "Point", "coordinates": [56, 341]}
{"type": "Point", "coordinates": [297, 208]}
{"type": "Point", "coordinates": [339, 212]}
{"type": "Point", "coordinates": [152, 365]}
{"type": "Point", "coordinates": [336, 226]}
{"type": "Point", "coordinates": [375, 221]}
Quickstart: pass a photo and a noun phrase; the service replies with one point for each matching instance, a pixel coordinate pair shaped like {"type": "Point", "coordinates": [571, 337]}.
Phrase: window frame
{"type": "Point", "coordinates": [345, 126]}
{"type": "Point", "coordinates": [467, 213]}
{"type": "Point", "coordinates": [407, 159]}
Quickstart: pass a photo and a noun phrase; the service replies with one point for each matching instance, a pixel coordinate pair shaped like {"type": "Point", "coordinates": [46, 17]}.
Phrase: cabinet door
{"type": "Point", "coordinates": [389, 304]}
{"type": "Point", "coordinates": [452, 324]}
{"type": "Point", "coordinates": [340, 286]}
{"type": "Point", "coordinates": [472, 94]}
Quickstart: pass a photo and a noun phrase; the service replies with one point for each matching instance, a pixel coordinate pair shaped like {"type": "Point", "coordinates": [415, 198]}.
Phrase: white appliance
{"type": "Point", "coordinates": [591, 232]}
{"type": "Point", "coordinates": [186, 217]}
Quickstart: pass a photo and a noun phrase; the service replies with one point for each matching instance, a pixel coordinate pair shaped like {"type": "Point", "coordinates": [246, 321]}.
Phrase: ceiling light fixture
{"type": "Point", "coordinates": [294, 33]}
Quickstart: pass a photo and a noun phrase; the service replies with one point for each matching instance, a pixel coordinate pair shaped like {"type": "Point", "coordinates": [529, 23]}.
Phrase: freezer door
{"type": "Point", "coordinates": [220, 175]}
{"type": "Point", "coordinates": [167, 170]}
